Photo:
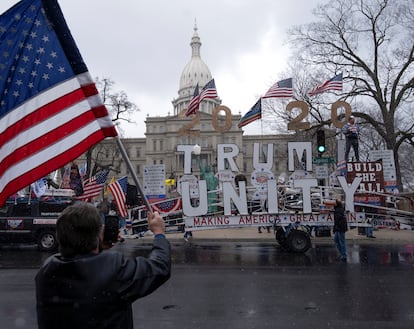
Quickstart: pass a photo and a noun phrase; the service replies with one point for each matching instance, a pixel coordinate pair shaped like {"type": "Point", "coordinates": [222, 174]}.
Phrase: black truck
{"type": "Point", "coordinates": [33, 220]}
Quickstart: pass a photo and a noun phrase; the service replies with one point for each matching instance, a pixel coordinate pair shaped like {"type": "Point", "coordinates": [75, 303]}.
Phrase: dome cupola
{"type": "Point", "coordinates": [196, 71]}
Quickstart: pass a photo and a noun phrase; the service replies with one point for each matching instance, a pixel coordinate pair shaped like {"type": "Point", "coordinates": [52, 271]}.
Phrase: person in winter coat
{"type": "Point", "coordinates": [339, 229]}
{"type": "Point", "coordinates": [351, 132]}
{"type": "Point", "coordinates": [85, 287]}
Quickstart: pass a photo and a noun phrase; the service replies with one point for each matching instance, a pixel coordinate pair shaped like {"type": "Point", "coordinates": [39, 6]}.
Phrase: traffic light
{"type": "Point", "coordinates": [320, 138]}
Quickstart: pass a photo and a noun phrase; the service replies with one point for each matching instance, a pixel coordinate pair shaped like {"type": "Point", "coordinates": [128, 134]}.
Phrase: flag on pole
{"type": "Point", "coordinates": [118, 190]}
{"type": "Point", "coordinates": [107, 191]}
{"type": "Point", "coordinates": [255, 113]}
{"type": "Point", "coordinates": [194, 103]}
{"type": "Point", "coordinates": [39, 187]}
{"type": "Point", "coordinates": [83, 169]}
{"type": "Point", "coordinates": [332, 84]}
{"type": "Point", "coordinates": [92, 188]}
{"type": "Point", "coordinates": [281, 89]}
{"type": "Point", "coordinates": [50, 109]}
{"type": "Point", "coordinates": [208, 91]}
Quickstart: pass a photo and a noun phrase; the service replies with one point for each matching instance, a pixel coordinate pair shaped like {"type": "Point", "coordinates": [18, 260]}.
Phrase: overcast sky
{"type": "Point", "coordinates": [143, 46]}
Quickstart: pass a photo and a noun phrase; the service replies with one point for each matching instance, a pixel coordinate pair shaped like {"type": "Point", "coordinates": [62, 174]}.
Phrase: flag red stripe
{"type": "Point", "coordinates": [91, 191]}
{"type": "Point", "coordinates": [47, 139]}
{"type": "Point", "coordinates": [59, 161]}
{"type": "Point", "coordinates": [44, 112]}
{"type": "Point", "coordinates": [249, 120]}
{"type": "Point", "coordinates": [119, 197]}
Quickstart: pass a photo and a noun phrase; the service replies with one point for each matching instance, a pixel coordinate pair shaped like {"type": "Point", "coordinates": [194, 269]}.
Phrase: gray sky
{"type": "Point", "coordinates": [143, 46]}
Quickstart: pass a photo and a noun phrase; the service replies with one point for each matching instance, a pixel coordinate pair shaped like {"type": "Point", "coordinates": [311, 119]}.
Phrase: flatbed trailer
{"type": "Point", "coordinates": [292, 227]}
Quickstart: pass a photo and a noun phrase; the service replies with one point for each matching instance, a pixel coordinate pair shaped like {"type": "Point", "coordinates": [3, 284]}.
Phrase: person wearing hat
{"type": "Point", "coordinates": [351, 132]}
{"type": "Point", "coordinates": [339, 229]}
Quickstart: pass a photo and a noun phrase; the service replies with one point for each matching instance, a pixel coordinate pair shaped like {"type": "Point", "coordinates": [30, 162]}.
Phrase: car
{"type": "Point", "coordinates": [25, 219]}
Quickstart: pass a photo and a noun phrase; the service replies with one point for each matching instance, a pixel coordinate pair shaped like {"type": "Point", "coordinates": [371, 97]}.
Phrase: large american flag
{"type": "Point", "coordinates": [92, 187]}
{"type": "Point", "coordinates": [281, 89]}
{"type": "Point", "coordinates": [50, 109]}
{"type": "Point", "coordinates": [118, 190]}
{"type": "Point", "coordinates": [332, 84]}
{"type": "Point", "coordinates": [194, 103]}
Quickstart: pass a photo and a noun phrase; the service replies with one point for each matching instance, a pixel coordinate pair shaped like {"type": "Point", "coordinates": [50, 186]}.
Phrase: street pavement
{"type": "Point", "coordinates": [382, 236]}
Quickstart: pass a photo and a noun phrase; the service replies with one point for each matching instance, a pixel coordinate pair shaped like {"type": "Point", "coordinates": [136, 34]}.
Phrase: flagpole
{"type": "Point", "coordinates": [132, 171]}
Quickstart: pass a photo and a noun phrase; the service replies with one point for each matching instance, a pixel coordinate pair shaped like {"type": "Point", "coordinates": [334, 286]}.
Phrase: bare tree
{"type": "Point", "coordinates": [120, 109]}
{"type": "Point", "coordinates": [372, 43]}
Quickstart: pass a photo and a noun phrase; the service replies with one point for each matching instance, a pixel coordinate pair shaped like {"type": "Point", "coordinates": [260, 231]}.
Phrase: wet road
{"type": "Point", "coordinates": [248, 285]}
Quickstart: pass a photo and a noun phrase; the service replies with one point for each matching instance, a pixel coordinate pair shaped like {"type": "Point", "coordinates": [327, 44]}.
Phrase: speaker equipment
{"type": "Point", "coordinates": [132, 195]}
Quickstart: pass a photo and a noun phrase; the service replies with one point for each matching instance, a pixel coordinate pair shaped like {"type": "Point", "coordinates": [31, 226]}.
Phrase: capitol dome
{"type": "Point", "coordinates": [196, 71]}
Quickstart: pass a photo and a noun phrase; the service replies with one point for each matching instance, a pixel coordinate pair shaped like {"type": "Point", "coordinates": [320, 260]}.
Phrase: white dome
{"type": "Point", "coordinates": [196, 71]}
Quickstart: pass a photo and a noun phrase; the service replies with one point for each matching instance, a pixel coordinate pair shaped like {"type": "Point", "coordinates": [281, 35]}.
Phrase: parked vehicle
{"type": "Point", "coordinates": [33, 220]}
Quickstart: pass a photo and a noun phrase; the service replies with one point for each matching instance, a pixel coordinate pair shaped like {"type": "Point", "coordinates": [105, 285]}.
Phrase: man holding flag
{"type": "Point", "coordinates": [50, 114]}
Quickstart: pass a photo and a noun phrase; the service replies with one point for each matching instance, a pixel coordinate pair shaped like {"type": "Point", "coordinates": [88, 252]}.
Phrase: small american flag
{"type": "Point", "coordinates": [254, 114]}
{"type": "Point", "coordinates": [194, 103]}
{"type": "Point", "coordinates": [281, 89]}
{"type": "Point", "coordinates": [50, 109]}
{"type": "Point", "coordinates": [118, 190]}
{"type": "Point", "coordinates": [93, 186]}
{"type": "Point", "coordinates": [332, 84]}
{"type": "Point", "coordinates": [208, 91]}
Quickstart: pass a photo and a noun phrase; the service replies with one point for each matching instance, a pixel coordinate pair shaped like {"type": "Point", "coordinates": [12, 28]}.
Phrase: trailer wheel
{"type": "Point", "coordinates": [280, 236]}
{"type": "Point", "coordinates": [298, 241]}
{"type": "Point", "coordinates": [46, 241]}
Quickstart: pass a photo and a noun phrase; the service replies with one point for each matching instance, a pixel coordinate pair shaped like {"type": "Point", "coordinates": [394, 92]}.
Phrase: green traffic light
{"type": "Point", "coordinates": [321, 148]}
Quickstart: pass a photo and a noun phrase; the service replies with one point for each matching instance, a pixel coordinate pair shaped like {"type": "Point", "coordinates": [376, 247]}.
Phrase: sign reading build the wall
{"type": "Point", "coordinates": [372, 180]}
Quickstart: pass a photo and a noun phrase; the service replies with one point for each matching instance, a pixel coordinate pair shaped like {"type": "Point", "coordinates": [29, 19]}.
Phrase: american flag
{"type": "Point", "coordinates": [208, 91]}
{"type": "Point", "coordinates": [254, 114]}
{"type": "Point", "coordinates": [332, 84]}
{"type": "Point", "coordinates": [194, 103]}
{"type": "Point", "coordinates": [92, 188]}
{"type": "Point", "coordinates": [118, 190]}
{"type": "Point", "coordinates": [281, 89]}
{"type": "Point", "coordinates": [50, 109]}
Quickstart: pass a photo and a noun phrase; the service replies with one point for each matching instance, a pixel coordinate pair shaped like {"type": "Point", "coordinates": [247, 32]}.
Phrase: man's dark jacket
{"type": "Point", "coordinates": [340, 223]}
{"type": "Point", "coordinates": [97, 290]}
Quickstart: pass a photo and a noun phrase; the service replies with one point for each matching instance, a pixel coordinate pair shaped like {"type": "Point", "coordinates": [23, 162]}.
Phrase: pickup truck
{"type": "Point", "coordinates": [32, 220]}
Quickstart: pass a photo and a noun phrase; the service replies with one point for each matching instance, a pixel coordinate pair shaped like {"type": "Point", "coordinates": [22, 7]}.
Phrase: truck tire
{"type": "Point", "coordinates": [280, 236]}
{"type": "Point", "coordinates": [298, 241]}
{"type": "Point", "coordinates": [47, 241]}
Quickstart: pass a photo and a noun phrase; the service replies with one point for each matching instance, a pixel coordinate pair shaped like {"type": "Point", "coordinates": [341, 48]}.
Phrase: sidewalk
{"type": "Point", "coordinates": [251, 234]}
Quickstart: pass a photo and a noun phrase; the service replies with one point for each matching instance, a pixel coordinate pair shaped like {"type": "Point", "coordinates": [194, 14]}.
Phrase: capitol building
{"type": "Point", "coordinates": [213, 124]}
